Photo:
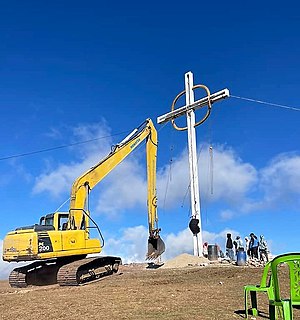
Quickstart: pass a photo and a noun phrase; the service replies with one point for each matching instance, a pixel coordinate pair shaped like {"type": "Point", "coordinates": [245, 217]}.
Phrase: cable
{"type": "Point", "coordinates": [189, 186]}
{"type": "Point", "coordinates": [266, 103]}
{"type": "Point", "coordinates": [66, 146]}
{"type": "Point", "coordinates": [167, 187]}
{"type": "Point", "coordinates": [170, 170]}
{"type": "Point", "coordinates": [60, 147]}
{"type": "Point", "coordinates": [62, 205]}
{"type": "Point", "coordinates": [162, 127]}
{"type": "Point", "coordinates": [186, 193]}
{"type": "Point", "coordinates": [211, 169]}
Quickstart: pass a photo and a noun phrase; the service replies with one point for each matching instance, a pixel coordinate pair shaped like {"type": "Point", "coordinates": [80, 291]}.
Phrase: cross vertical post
{"type": "Point", "coordinates": [188, 110]}
{"type": "Point", "coordinates": [194, 182]}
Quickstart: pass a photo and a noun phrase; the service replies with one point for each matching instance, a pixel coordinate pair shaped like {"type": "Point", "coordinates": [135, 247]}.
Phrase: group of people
{"type": "Point", "coordinates": [255, 249]}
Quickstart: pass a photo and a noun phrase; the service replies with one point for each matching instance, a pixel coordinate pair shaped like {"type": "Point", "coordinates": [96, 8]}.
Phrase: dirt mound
{"type": "Point", "coordinates": [185, 260]}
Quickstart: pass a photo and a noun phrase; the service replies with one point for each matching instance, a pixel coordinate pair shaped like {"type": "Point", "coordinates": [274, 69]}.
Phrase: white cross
{"type": "Point", "coordinates": [188, 110]}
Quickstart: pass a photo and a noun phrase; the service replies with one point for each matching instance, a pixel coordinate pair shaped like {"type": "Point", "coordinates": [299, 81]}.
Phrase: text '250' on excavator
{"type": "Point", "coordinates": [59, 244]}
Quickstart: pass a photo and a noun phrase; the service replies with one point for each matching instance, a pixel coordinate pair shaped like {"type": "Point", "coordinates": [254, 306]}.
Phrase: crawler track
{"type": "Point", "coordinates": [87, 270]}
{"type": "Point", "coordinates": [17, 278]}
{"type": "Point", "coordinates": [38, 273]}
{"type": "Point", "coordinates": [65, 273]}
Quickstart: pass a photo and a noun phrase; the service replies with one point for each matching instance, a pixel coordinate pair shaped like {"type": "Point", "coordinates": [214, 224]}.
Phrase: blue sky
{"type": "Point", "coordinates": [73, 71]}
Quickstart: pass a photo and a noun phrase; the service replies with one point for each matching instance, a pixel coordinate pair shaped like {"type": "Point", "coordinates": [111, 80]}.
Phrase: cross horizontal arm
{"type": "Point", "coordinates": [196, 105]}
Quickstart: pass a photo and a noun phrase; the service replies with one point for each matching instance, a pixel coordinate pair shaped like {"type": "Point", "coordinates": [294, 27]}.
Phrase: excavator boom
{"type": "Point", "coordinates": [86, 182]}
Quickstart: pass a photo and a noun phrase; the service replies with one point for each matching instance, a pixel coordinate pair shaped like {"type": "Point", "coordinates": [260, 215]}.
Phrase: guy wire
{"type": "Point", "coordinates": [266, 103]}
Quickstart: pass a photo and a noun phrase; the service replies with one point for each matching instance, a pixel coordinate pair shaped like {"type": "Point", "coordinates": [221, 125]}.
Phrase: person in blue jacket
{"type": "Point", "coordinates": [253, 245]}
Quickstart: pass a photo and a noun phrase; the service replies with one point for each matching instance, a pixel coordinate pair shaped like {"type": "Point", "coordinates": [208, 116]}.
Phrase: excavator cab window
{"type": "Point", "coordinates": [42, 221]}
{"type": "Point", "coordinates": [63, 221]}
{"type": "Point", "coordinates": [46, 223]}
{"type": "Point", "coordinates": [49, 220]}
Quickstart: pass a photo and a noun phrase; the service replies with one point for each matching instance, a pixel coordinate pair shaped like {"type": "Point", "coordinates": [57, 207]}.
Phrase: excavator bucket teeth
{"type": "Point", "coordinates": [156, 247]}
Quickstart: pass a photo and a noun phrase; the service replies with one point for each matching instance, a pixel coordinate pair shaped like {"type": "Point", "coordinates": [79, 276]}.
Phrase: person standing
{"type": "Point", "coordinates": [229, 247]}
{"type": "Point", "coordinates": [205, 250]}
{"type": "Point", "coordinates": [239, 244]}
{"type": "Point", "coordinates": [235, 246]}
{"type": "Point", "coordinates": [220, 252]}
{"type": "Point", "coordinates": [247, 241]}
{"type": "Point", "coordinates": [253, 246]}
{"type": "Point", "coordinates": [263, 249]}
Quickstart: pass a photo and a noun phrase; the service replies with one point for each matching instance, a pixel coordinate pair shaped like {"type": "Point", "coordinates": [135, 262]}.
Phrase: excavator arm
{"type": "Point", "coordinates": [87, 181]}
{"type": "Point", "coordinates": [156, 245]}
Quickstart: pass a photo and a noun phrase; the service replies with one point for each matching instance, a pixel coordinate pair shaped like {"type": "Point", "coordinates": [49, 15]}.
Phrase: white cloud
{"type": "Point", "coordinates": [58, 181]}
{"type": "Point", "coordinates": [226, 215]}
{"type": "Point", "coordinates": [232, 179]}
{"type": "Point", "coordinates": [172, 182]}
{"type": "Point", "coordinates": [182, 242]}
{"type": "Point", "coordinates": [278, 185]}
{"type": "Point", "coordinates": [100, 138]}
{"type": "Point", "coordinates": [236, 184]}
{"type": "Point", "coordinates": [280, 180]}
{"type": "Point", "coordinates": [124, 188]}
{"type": "Point", "coordinates": [131, 246]}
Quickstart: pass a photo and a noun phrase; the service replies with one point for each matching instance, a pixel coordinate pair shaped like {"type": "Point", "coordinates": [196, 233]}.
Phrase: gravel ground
{"type": "Point", "coordinates": [192, 292]}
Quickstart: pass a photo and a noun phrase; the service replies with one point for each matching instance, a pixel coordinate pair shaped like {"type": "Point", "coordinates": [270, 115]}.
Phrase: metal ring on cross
{"type": "Point", "coordinates": [208, 106]}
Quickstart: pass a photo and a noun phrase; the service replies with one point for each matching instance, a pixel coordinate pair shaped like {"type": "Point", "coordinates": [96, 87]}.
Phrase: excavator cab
{"type": "Point", "coordinates": [58, 220]}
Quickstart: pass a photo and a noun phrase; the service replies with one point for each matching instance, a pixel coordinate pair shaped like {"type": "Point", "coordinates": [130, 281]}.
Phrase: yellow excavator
{"type": "Point", "coordinates": [60, 243]}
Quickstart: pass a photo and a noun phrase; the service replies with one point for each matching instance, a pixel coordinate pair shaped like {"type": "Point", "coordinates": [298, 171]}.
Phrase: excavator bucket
{"type": "Point", "coordinates": [156, 247]}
